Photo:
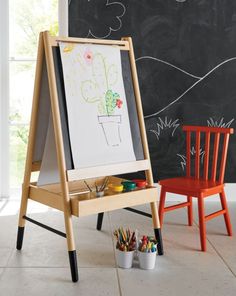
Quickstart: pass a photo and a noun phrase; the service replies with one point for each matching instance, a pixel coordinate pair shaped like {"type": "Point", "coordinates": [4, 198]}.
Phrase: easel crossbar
{"type": "Point", "coordinates": [122, 44]}
{"type": "Point", "coordinates": [138, 212]}
{"type": "Point", "coordinates": [58, 232]}
{"type": "Point", "coordinates": [112, 169]}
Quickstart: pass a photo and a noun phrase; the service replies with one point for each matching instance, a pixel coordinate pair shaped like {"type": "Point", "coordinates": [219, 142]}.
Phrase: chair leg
{"type": "Point", "coordinates": [202, 224]}
{"type": "Point", "coordinates": [226, 215]}
{"type": "Point", "coordinates": [162, 205]}
{"type": "Point", "coordinates": [190, 211]}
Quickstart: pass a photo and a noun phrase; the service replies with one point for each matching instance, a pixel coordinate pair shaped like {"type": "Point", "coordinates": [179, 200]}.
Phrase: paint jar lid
{"type": "Point", "coordinates": [141, 183]}
{"type": "Point", "coordinates": [128, 185]}
{"type": "Point", "coordinates": [116, 187]}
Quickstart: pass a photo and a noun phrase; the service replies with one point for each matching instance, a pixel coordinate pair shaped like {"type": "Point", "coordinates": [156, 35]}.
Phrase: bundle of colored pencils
{"type": "Point", "coordinates": [126, 240]}
{"type": "Point", "coordinates": [147, 244]}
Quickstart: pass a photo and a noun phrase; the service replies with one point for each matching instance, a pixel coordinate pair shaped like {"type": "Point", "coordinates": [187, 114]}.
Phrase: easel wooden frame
{"type": "Point", "coordinates": [65, 195]}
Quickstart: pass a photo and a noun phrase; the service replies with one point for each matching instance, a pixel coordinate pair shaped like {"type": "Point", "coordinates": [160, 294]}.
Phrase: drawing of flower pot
{"type": "Point", "coordinates": [110, 125]}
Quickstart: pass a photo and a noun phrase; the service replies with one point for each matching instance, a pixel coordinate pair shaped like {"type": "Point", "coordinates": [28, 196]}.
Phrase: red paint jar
{"type": "Point", "coordinates": [140, 183]}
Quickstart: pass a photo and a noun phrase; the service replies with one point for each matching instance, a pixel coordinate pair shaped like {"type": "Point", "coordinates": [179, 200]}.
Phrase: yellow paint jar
{"type": "Point", "coordinates": [116, 188]}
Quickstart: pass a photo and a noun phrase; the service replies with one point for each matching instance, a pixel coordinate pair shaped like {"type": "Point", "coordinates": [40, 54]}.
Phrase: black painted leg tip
{"type": "Point", "coordinates": [20, 236]}
{"type": "Point", "coordinates": [160, 252]}
{"type": "Point", "coordinates": [73, 266]}
{"type": "Point", "coordinates": [99, 221]}
{"type": "Point", "coordinates": [158, 236]}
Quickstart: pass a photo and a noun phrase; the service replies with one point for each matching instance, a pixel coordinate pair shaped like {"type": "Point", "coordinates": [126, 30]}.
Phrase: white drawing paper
{"type": "Point", "coordinates": [96, 104]}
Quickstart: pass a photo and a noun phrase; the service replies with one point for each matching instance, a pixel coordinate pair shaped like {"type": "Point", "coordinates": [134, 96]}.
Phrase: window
{"type": "Point", "coordinates": [26, 20]}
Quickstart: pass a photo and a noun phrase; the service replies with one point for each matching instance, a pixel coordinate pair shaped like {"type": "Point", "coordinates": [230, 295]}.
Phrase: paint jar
{"type": "Point", "coordinates": [116, 188]}
{"type": "Point", "coordinates": [124, 259]}
{"type": "Point", "coordinates": [128, 185]}
{"type": "Point", "coordinates": [140, 183]}
{"type": "Point", "coordinates": [147, 260]}
{"type": "Point", "coordinates": [100, 194]}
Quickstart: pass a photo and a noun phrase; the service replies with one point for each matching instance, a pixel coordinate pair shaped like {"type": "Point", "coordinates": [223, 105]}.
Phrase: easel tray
{"type": "Point", "coordinates": [85, 203]}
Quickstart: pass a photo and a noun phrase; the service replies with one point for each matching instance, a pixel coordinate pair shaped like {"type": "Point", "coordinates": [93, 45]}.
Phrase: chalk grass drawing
{"type": "Point", "coordinates": [165, 124]}
{"type": "Point", "coordinates": [219, 123]}
{"type": "Point", "coordinates": [110, 28]}
{"type": "Point", "coordinates": [100, 91]}
{"type": "Point", "coordinates": [192, 86]}
{"type": "Point", "coordinates": [183, 157]}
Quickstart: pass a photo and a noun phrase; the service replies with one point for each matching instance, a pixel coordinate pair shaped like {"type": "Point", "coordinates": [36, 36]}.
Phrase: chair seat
{"type": "Point", "coordinates": [191, 186]}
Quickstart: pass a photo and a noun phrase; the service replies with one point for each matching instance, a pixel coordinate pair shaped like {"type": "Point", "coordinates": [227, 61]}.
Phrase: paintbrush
{"type": "Point", "coordinates": [104, 184]}
{"type": "Point", "coordinates": [88, 186]}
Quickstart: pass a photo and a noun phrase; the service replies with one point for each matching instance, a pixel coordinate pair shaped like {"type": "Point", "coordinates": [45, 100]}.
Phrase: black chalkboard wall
{"type": "Point", "coordinates": [186, 59]}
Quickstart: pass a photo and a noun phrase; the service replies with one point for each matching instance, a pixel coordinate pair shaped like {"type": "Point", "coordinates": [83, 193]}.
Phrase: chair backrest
{"type": "Point", "coordinates": [215, 157]}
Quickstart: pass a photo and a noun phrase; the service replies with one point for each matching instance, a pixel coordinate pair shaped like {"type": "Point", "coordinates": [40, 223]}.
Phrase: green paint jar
{"type": "Point", "coordinates": [128, 185]}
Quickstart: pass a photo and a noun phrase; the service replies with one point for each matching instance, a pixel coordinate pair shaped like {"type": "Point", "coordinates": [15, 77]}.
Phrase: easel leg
{"type": "Point", "coordinates": [73, 266]}
{"type": "Point", "coordinates": [157, 228]}
{"type": "Point", "coordinates": [71, 247]}
{"type": "Point", "coordinates": [158, 236]}
{"type": "Point", "coordinates": [99, 221]}
{"type": "Point", "coordinates": [21, 223]}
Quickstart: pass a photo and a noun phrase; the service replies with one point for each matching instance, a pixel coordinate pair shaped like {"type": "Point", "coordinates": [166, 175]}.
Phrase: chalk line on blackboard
{"type": "Point", "coordinates": [195, 83]}
{"type": "Point", "coordinates": [219, 123]}
{"type": "Point", "coordinates": [118, 17]}
{"type": "Point", "coordinates": [193, 152]}
{"type": "Point", "coordinates": [163, 124]}
{"type": "Point", "coordinates": [169, 64]}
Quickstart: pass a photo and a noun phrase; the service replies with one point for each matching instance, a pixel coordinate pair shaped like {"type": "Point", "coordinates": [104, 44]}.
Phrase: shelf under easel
{"type": "Point", "coordinates": [84, 203]}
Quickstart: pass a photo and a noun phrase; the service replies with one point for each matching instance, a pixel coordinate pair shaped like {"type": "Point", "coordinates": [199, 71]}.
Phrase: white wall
{"type": "Point", "coordinates": [63, 17]}
{"type": "Point", "coordinates": [4, 100]}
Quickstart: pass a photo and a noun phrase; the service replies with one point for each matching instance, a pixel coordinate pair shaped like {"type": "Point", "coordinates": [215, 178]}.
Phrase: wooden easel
{"type": "Point", "coordinates": [66, 196]}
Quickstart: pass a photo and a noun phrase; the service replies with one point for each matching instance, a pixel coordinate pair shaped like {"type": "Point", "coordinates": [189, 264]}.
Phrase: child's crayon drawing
{"type": "Point", "coordinates": [96, 104]}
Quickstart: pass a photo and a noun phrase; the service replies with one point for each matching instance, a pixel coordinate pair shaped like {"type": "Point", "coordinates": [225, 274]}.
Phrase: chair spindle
{"type": "Point", "coordinates": [188, 147]}
{"type": "Point", "coordinates": [215, 156]}
{"type": "Point", "coordinates": [223, 159]}
{"type": "Point", "coordinates": [197, 158]}
{"type": "Point", "coordinates": [206, 157]}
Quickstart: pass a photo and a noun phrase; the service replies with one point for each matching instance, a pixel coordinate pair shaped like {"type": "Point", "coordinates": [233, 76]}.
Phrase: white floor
{"type": "Point", "coordinates": [41, 268]}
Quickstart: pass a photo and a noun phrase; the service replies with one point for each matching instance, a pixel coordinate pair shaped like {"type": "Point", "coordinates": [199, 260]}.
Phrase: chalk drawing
{"type": "Point", "coordinates": [192, 152]}
{"type": "Point", "coordinates": [167, 63]}
{"type": "Point", "coordinates": [165, 124]}
{"type": "Point", "coordinates": [191, 87]}
{"type": "Point", "coordinates": [118, 17]}
{"type": "Point", "coordinates": [219, 123]}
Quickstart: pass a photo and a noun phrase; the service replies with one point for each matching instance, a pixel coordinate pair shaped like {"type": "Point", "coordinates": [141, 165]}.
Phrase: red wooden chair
{"type": "Point", "coordinates": [197, 182]}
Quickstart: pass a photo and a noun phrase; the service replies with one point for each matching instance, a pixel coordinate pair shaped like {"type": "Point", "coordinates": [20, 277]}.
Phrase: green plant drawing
{"type": "Point", "coordinates": [100, 89]}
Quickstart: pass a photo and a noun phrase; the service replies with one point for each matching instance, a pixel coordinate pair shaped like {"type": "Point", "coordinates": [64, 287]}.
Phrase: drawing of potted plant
{"type": "Point", "coordinates": [100, 90]}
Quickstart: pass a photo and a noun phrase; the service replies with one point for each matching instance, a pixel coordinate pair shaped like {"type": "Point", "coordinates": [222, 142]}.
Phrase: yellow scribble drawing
{"type": "Point", "coordinates": [69, 47]}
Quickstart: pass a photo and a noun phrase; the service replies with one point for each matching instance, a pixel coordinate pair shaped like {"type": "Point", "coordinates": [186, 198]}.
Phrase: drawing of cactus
{"type": "Point", "coordinates": [99, 90]}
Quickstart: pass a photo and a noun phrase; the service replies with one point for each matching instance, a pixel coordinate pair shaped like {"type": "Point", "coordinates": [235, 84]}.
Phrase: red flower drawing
{"type": "Point", "coordinates": [88, 56]}
{"type": "Point", "coordinates": [119, 103]}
